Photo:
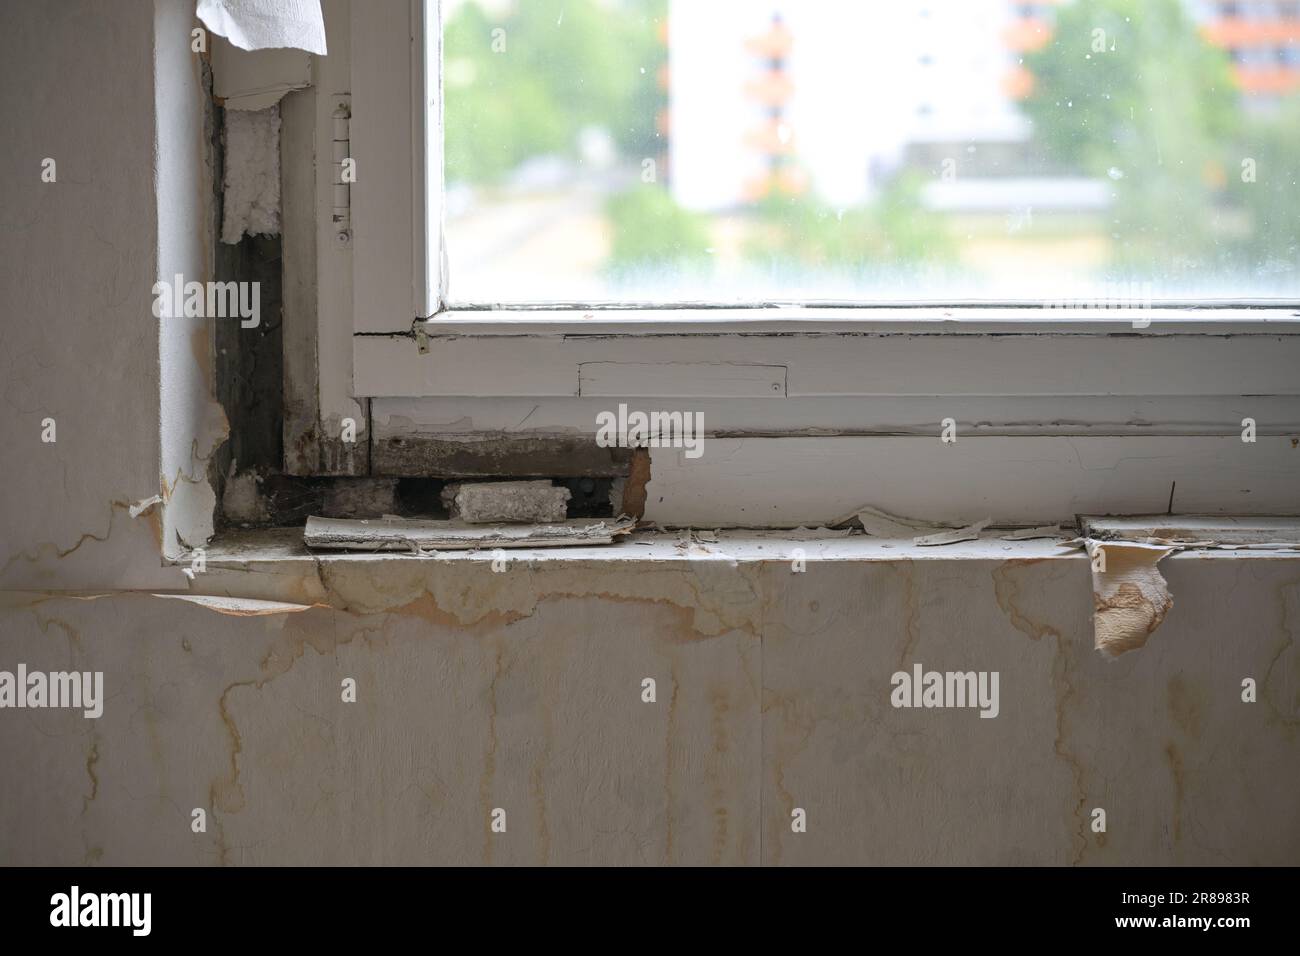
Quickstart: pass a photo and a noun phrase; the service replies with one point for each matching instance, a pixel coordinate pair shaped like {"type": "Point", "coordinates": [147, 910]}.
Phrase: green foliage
{"type": "Point", "coordinates": [565, 65]}
{"type": "Point", "coordinates": [896, 228]}
{"type": "Point", "coordinates": [1271, 242]}
{"type": "Point", "coordinates": [1155, 73]}
{"type": "Point", "coordinates": [651, 230]}
{"type": "Point", "coordinates": [1130, 90]}
{"type": "Point", "coordinates": [911, 232]}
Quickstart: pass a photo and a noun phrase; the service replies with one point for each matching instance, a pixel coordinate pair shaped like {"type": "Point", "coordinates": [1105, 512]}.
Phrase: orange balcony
{"type": "Point", "coordinates": [773, 139]}
{"type": "Point", "coordinates": [1233, 32]}
{"type": "Point", "coordinates": [772, 89]}
{"type": "Point", "coordinates": [1267, 79]}
{"type": "Point", "coordinates": [790, 181]}
{"type": "Point", "coordinates": [1018, 83]}
{"type": "Point", "coordinates": [1027, 35]}
{"type": "Point", "coordinates": [775, 44]}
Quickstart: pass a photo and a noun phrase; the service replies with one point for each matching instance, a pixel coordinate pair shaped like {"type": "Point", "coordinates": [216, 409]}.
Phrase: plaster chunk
{"type": "Point", "coordinates": [491, 502]}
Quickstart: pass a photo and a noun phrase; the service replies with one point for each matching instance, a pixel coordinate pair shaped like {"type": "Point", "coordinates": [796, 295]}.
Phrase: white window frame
{"type": "Point", "coordinates": [814, 363]}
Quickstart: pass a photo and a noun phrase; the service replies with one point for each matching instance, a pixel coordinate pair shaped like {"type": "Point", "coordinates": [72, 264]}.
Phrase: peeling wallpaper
{"type": "Point", "coordinates": [524, 691]}
{"type": "Point", "coordinates": [772, 694]}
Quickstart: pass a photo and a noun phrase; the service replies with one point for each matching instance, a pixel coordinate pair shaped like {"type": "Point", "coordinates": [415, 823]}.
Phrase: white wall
{"type": "Point", "coordinates": [78, 259]}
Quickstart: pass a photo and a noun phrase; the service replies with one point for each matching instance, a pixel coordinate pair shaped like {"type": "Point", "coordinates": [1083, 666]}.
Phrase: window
{"type": "Point", "coordinates": [605, 151]}
{"type": "Point", "coordinates": [562, 206]}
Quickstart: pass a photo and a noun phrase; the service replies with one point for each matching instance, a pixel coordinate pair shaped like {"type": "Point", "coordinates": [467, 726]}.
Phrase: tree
{"type": "Point", "coordinates": [649, 230]}
{"type": "Point", "coordinates": [524, 83]}
{"type": "Point", "coordinates": [896, 229]}
{"type": "Point", "coordinates": [1129, 90]}
{"type": "Point", "coordinates": [1265, 182]}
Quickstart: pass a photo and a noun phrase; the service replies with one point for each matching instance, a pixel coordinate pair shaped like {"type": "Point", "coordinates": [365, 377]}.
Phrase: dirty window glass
{"type": "Point", "coordinates": [1081, 152]}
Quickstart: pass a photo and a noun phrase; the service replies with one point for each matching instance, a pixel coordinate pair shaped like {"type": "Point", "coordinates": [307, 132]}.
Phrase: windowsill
{"type": "Point", "coordinates": [283, 549]}
{"type": "Point", "coordinates": [900, 318]}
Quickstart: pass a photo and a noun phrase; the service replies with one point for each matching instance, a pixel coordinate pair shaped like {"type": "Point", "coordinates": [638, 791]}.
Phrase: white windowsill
{"type": "Point", "coordinates": [282, 549]}
{"type": "Point", "coordinates": [920, 318]}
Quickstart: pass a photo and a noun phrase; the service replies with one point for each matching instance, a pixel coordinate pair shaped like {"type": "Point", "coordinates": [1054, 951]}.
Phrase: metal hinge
{"type": "Point", "coordinates": [344, 173]}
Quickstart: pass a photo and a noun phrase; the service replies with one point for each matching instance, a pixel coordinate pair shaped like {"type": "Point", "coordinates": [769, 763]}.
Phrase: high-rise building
{"type": "Point", "coordinates": [857, 83]}
{"type": "Point", "coordinates": [860, 89]}
{"type": "Point", "coordinates": [1263, 39]}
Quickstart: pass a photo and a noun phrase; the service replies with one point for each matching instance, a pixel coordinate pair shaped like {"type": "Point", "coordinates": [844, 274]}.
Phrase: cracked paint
{"type": "Point", "coordinates": [521, 690]}
{"type": "Point", "coordinates": [1007, 590]}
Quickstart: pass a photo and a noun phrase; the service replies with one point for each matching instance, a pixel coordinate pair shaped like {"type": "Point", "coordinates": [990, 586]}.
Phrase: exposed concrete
{"type": "Point", "coordinates": [495, 455]}
{"type": "Point", "coordinates": [367, 498]}
{"type": "Point", "coordinates": [241, 499]}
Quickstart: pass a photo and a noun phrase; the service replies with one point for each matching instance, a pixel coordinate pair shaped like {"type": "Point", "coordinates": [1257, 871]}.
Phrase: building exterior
{"type": "Point", "coordinates": [859, 90]}
{"type": "Point", "coordinates": [858, 83]}
{"type": "Point", "coordinates": [1263, 39]}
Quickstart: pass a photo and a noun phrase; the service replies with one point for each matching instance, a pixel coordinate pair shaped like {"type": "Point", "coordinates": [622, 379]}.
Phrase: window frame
{"type": "Point", "coordinates": [399, 267]}
{"type": "Point", "coordinates": [407, 345]}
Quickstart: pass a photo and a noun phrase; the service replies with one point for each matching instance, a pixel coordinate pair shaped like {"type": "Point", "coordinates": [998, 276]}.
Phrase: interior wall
{"type": "Point", "coordinates": [523, 691]}
{"type": "Point", "coordinates": [77, 260]}
{"type": "Point", "coordinates": [79, 257]}
{"type": "Point", "coordinates": [192, 422]}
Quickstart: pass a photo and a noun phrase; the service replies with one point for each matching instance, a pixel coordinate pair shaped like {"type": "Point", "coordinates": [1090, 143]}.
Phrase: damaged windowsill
{"type": "Point", "coordinates": [282, 548]}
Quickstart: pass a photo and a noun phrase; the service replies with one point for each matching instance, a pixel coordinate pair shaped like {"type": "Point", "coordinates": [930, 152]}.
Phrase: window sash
{"type": "Point", "coordinates": [1091, 410]}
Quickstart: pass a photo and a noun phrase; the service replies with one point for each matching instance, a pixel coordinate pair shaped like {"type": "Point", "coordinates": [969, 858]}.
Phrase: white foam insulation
{"type": "Point", "coordinates": [252, 174]}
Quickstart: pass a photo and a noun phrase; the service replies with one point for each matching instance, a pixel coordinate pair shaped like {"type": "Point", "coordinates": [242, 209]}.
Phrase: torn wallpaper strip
{"type": "Point", "coordinates": [1130, 597]}
{"type": "Point", "coordinates": [952, 536]}
{"type": "Point", "coordinates": [882, 524]}
{"type": "Point", "coordinates": [266, 24]}
{"type": "Point", "coordinates": [239, 607]}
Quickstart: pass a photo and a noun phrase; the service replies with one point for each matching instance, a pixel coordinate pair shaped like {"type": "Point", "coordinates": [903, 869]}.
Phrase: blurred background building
{"type": "Point", "coordinates": [749, 149]}
{"type": "Point", "coordinates": [910, 84]}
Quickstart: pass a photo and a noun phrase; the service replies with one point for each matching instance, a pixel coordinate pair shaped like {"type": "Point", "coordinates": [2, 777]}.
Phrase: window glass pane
{"type": "Point", "coordinates": [1090, 152]}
